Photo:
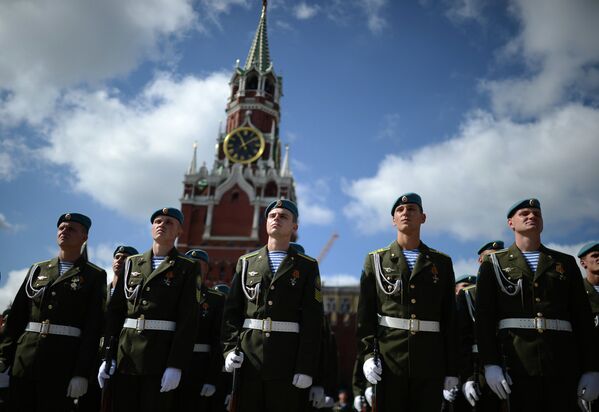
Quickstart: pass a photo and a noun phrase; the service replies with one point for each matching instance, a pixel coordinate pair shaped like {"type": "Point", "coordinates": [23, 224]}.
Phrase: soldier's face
{"type": "Point", "coordinates": [280, 224]}
{"type": "Point", "coordinates": [118, 263]}
{"type": "Point", "coordinates": [591, 262]}
{"type": "Point", "coordinates": [484, 253]}
{"type": "Point", "coordinates": [408, 217]}
{"type": "Point", "coordinates": [71, 235]}
{"type": "Point", "coordinates": [528, 220]}
{"type": "Point", "coordinates": [166, 229]}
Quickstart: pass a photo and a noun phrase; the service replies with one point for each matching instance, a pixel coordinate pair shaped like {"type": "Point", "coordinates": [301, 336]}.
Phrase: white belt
{"type": "Point", "coordinates": [47, 328]}
{"type": "Point", "coordinates": [141, 324]}
{"type": "Point", "coordinates": [269, 325]}
{"type": "Point", "coordinates": [413, 325]}
{"type": "Point", "coordinates": [201, 347]}
{"type": "Point", "coordinates": [474, 348]}
{"type": "Point", "coordinates": [535, 323]}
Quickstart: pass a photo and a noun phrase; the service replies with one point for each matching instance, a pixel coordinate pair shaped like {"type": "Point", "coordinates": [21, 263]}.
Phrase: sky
{"type": "Point", "coordinates": [473, 104]}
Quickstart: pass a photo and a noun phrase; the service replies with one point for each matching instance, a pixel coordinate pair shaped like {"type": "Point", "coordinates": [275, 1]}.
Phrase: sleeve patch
{"type": "Point", "coordinates": [318, 295]}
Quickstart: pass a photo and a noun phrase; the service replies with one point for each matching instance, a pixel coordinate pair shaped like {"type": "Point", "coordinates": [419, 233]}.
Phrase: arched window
{"type": "Point", "coordinates": [269, 87]}
{"type": "Point", "coordinates": [251, 82]}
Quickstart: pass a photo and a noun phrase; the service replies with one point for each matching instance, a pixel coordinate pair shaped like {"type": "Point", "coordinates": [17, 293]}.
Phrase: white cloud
{"type": "Point", "coordinates": [10, 288]}
{"type": "Point", "coordinates": [67, 43]}
{"type": "Point", "coordinates": [312, 202]}
{"type": "Point", "coordinates": [558, 42]}
{"type": "Point", "coordinates": [373, 9]}
{"type": "Point", "coordinates": [340, 280]}
{"type": "Point", "coordinates": [465, 267]}
{"type": "Point", "coordinates": [461, 10]}
{"type": "Point", "coordinates": [8, 226]}
{"type": "Point", "coordinates": [14, 155]}
{"type": "Point", "coordinates": [130, 155]}
{"type": "Point", "coordinates": [304, 11]}
{"type": "Point", "coordinates": [468, 182]}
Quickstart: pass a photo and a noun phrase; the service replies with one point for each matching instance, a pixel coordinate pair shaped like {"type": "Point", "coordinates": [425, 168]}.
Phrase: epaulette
{"type": "Point", "coordinates": [216, 293]}
{"type": "Point", "coordinates": [247, 255]}
{"type": "Point", "coordinates": [311, 259]}
{"type": "Point", "coordinates": [94, 266]}
{"type": "Point", "coordinates": [439, 252]}
{"type": "Point", "coordinates": [185, 258]}
{"type": "Point", "coordinates": [468, 288]}
{"type": "Point", "coordinates": [383, 249]}
{"type": "Point", "coordinates": [43, 262]}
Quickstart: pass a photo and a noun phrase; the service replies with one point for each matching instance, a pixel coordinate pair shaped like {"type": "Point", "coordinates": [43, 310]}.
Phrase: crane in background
{"type": "Point", "coordinates": [327, 247]}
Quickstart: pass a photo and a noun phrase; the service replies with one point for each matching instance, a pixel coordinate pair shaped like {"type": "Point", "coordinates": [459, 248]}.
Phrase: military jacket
{"type": "Point", "coordinates": [327, 375]}
{"type": "Point", "coordinates": [427, 293]}
{"type": "Point", "coordinates": [593, 296]}
{"type": "Point", "coordinates": [73, 299]}
{"type": "Point", "coordinates": [466, 299]}
{"type": "Point", "coordinates": [292, 294]}
{"type": "Point", "coordinates": [167, 293]}
{"type": "Point", "coordinates": [554, 291]}
{"type": "Point", "coordinates": [206, 366]}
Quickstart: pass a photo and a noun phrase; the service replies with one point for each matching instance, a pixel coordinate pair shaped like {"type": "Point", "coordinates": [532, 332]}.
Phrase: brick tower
{"type": "Point", "coordinates": [224, 206]}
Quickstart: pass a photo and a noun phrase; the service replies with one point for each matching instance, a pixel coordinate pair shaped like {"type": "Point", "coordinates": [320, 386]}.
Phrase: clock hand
{"type": "Point", "coordinates": [248, 142]}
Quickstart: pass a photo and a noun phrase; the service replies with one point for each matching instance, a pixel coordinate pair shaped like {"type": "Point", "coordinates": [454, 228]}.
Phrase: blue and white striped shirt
{"type": "Point", "coordinates": [63, 267]}
{"type": "Point", "coordinates": [411, 256]}
{"type": "Point", "coordinates": [156, 261]}
{"type": "Point", "coordinates": [275, 258]}
{"type": "Point", "coordinates": [532, 258]}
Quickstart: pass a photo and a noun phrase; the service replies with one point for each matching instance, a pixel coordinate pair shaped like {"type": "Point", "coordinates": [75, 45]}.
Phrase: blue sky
{"type": "Point", "coordinates": [471, 103]}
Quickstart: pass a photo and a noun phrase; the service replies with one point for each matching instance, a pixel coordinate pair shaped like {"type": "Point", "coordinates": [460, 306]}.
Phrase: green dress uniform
{"type": "Point", "coordinates": [469, 362]}
{"type": "Point", "coordinates": [288, 299]}
{"type": "Point", "coordinates": [537, 326]}
{"type": "Point", "coordinates": [52, 333]}
{"type": "Point", "coordinates": [327, 376]}
{"type": "Point", "coordinates": [154, 313]}
{"type": "Point", "coordinates": [207, 359]}
{"type": "Point", "coordinates": [400, 309]}
{"type": "Point", "coordinates": [593, 296]}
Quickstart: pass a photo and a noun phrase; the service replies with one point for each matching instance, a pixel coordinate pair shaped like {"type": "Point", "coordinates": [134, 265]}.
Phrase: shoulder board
{"type": "Point", "coordinates": [247, 255]}
{"type": "Point", "coordinates": [215, 293]}
{"type": "Point", "coordinates": [311, 259]}
{"type": "Point", "coordinates": [469, 288]}
{"type": "Point", "coordinates": [43, 262]}
{"type": "Point", "coordinates": [186, 259]}
{"type": "Point", "coordinates": [135, 256]}
{"type": "Point", "coordinates": [439, 252]}
{"type": "Point", "coordinates": [383, 249]}
{"type": "Point", "coordinates": [94, 266]}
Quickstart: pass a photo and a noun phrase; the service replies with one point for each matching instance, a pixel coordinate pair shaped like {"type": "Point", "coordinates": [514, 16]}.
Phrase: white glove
{"type": "Point", "coordinates": [207, 390]}
{"type": "Point", "coordinates": [77, 387]}
{"type": "Point", "coordinates": [471, 392]}
{"type": "Point", "coordinates": [228, 402]}
{"type": "Point", "coordinates": [358, 402]}
{"type": "Point", "coordinates": [301, 381]}
{"type": "Point", "coordinates": [5, 378]}
{"type": "Point", "coordinates": [588, 386]}
{"type": "Point", "coordinates": [450, 388]}
{"type": "Point", "coordinates": [316, 396]}
{"type": "Point", "coordinates": [368, 395]}
{"type": "Point", "coordinates": [498, 383]}
{"type": "Point", "coordinates": [328, 402]}
{"type": "Point", "coordinates": [170, 379]}
{"type": "Point", "coordinates": [102, 375]}
{"type": "Point", "coordinates": [372, 371]}
{"type": "Point", "coordinates": [233, 361]}
{"type": "Point", "coordinates": [584, 405]}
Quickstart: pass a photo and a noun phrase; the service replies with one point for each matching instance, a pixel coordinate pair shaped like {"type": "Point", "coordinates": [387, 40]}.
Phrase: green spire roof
{"type": "Point", "coordinates": [259, 57]}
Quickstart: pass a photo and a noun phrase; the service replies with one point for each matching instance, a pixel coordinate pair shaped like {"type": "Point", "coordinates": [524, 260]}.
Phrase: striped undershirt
{"type": "Point", "coordinates": [411, 256]}
{"type": "Point", "coordinates": [63, 267]}
{"type": "Point", "coordinates": [532, 258]}
{"type": "Point", "coordinates": [275, 258]}
{"type": "Point", "coordinates": [156, 261]}
{"type": "Point", "coordinates": [596, 288]}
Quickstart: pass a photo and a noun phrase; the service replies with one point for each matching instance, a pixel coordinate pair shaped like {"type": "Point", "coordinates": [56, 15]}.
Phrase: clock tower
{"type": "Point", "coordinates": [224, 205]}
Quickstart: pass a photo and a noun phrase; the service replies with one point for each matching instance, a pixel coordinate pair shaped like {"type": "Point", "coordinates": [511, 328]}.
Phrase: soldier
{"type": "Point", "coordinates": [275, 310]}
{"type": "Point", "coordinates": [120, 254]}
{"type": "Point", "coordinates": [533, 321]}
{"type": "Point", "coordinates": [199, 378]}
{"type": "Point", "coordinates": [463, 281]}
{"type": "Point", "coordinates": [471, 372]}
{"type": "Point", "coordinates": [153, 312]}
{"type": "Point", "coordinates": [52, 334]}
{"type": "Point", "coordinates": [220, 399]}
{"type": "Point", "coordinates": [407, 306]}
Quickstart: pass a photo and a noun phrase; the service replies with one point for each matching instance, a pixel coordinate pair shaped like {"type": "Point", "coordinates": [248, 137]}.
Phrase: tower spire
{"type": "Point", "coordinates": [259, 56]}
{"type": "Point", "coordinates": [194, 160]}
{"type": "Point", "coordinates": [285, 168]}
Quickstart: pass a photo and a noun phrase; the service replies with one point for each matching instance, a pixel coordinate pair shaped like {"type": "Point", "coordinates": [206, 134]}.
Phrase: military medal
{"type": "Point", "coordinates": [75, 282]}
{"type": "Point", "coordinates": [205, 309]}
{"type": "Point", "coordinates": [294, 277]}
{"type": "Point", "coordinates": [559, 268]}
{"type": "Point", "coordinates": [435, 273]}
{"type": "Point", "coordinates": [168, 278]}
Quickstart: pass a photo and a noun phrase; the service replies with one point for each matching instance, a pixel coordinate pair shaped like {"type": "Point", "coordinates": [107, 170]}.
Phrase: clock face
{"type": "Point", "coordinates": [244, 145]}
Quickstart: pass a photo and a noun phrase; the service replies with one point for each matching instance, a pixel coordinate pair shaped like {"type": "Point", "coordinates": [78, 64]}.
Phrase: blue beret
{"type": "Point", "coordinates": [588, 248]}
{"type": "Point", "coordinates": [285, 204]}
{"type": "Point", "coordinates": [407, 198]}
{"type": "Point", "coordinates": [168, 211]}
{"type": "Point", "coordinates": [523, 204]}
{"type": "Point", "coordinates": [198, 254]}
{"type": "Point", "coordinates": [127, 250]}
{"type": "Point", "coordinates": [492, 245]}
{"type": "Point", "coordinates": [466, 278]}
{"type": "Point", "coordinates": [298, 248]}
{"type": "Point", "coordinates": [75, 217]}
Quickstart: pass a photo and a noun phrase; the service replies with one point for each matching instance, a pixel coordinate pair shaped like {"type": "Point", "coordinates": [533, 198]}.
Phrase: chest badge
{"type": "Point", "coordinates": [295, 275]}
{"type": "Point", "coordinates": [205, 307]}
{"type": "Point", "coordinates": [76, 282]}
{"type": "Point", "coordinates": [559, 268]}
{"type": "Point", "coordinates": [168, 278]}
{"type": "Point", "coordinates": [252, 273]}
{"type": "Point", "coordinates": [388, 270]}
{"type": "Point", "coordinates": [435, 273]}
{"type": "Point", "coordinates": [135, 274]}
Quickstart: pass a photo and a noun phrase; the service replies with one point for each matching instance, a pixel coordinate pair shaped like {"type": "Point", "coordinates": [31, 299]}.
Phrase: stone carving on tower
{"type": "Point", "coordinates": [224, 205]}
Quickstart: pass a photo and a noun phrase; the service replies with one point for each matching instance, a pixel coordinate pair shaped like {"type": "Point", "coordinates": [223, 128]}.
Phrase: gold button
{"type": "Point", "coordinates": [412, 332]}
{"type": "Point", "coordinates": [148, 289]}
{"type": "Point", "coordinates": [270, 303]}
{"type": "Point", "coordinates": [412, 286]}
{"type": "Point", "coordinates": [540, 330]}
{"type": "Point", "coordinates": [413, 316]}
{"type": "Point", "coordinates": [539, 314]}
{"type": "Point", "coordinates": [413, 301]}
{"type": "Point", "coordinates": [272, 287]}
{"type": "Point", "coordinates": [144, 302]}
{"type": "Point", "coordinates": [536, 285]}
{"type": "Point", "coordinates": [53, 293]}
{"type": "Point", "coordinates": [267, 334]}
{"type": "Point", "coordinates": [50, 306]}
{"type": "Point", "coordinates": [537, 299]}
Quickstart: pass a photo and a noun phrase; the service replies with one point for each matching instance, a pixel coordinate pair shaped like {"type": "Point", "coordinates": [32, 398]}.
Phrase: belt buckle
{"type": "Point", "coordinates": [414, 326]}
{"type": "Point", "coordinates": [267, 325]}
{"type": "Point", "coordinates": [140, 324]}
{"type": "Point", "coordinates": [45, 328]}
{"type": "Point", "coordinates": [540, 324]}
